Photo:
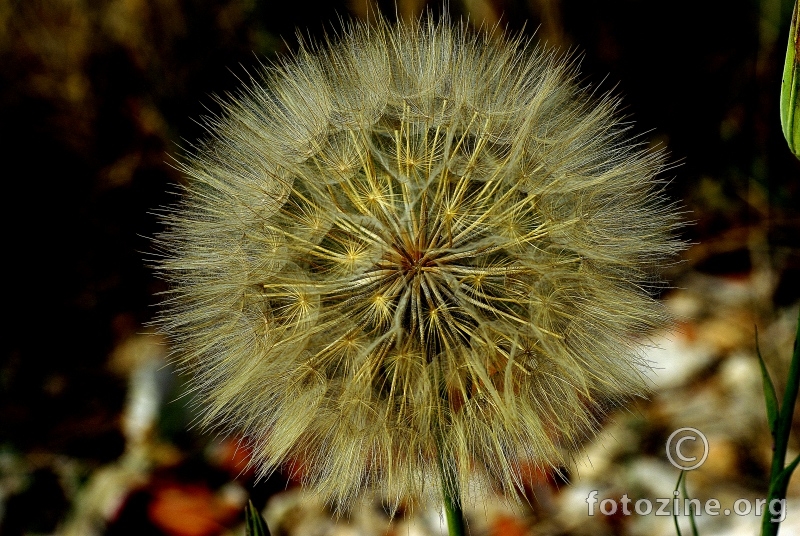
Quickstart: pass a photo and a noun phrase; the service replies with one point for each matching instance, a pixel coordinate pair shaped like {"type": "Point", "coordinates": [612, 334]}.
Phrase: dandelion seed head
{"type": "Point", "coordinates": [411, 239]}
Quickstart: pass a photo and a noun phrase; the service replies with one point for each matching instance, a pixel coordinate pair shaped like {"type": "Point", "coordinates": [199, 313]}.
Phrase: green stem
{"type": "Point", "coordinates": [787, 411]}
{"type": "Point", "coordinates": [778, 477]}
{"type": "Point", "coordinates": [455, 517]}
{"type": "Point", "coordinates": [450, 494]}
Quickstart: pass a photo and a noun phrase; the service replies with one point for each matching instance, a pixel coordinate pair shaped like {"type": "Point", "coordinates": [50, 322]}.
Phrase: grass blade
{"type": "Point", "coordinates": [770, 397]}
{"type": "Point", "coordinates": [256, 526]}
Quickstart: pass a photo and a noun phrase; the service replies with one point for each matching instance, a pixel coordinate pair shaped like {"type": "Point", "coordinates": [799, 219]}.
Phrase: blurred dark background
{"type": "Point", "coordinates": [98, 96]}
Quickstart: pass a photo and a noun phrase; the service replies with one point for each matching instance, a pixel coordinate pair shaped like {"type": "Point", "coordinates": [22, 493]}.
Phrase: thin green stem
{"type": "Point", "coordinates": [453, 513]}
{"type": "Point", "coordinates": [787, 411]}
{"type": "Point", "coordinates": [674, 514]}
{"type": "Point", "coordinates": [692, 522]}
{"type": "Point", "coordinates": [779, 473]}
{"type": "Point", "coordinates": [450, 494]}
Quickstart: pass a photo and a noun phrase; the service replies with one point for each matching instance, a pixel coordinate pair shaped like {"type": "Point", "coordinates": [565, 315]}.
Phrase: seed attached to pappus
{"type": "Point", "coordinates": [416, 243]}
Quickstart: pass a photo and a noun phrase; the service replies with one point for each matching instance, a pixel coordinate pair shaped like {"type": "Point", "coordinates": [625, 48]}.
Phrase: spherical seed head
{"type": "Point", "coordinates": [413, 241]}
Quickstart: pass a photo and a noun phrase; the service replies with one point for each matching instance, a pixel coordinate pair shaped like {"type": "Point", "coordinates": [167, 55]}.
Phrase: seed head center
{"type": "Point", "coordinates": [413, 261]}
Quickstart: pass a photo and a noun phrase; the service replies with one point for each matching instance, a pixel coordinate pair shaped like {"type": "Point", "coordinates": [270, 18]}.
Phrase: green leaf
{"type": "Point", "coordinates": [782, 482]}
{"type": "Point", "coordinates": [780, 475]}
{"type": "Point", "coordinates": [790, 89]}
{"type": "Point", "coordinates": [256, 526]}
{"type": "Point", "coordinates": [770, 397]}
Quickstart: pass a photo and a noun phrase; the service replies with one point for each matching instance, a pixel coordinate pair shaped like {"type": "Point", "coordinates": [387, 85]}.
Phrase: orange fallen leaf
{"type": "Point", "coordinates": [189, 510]}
